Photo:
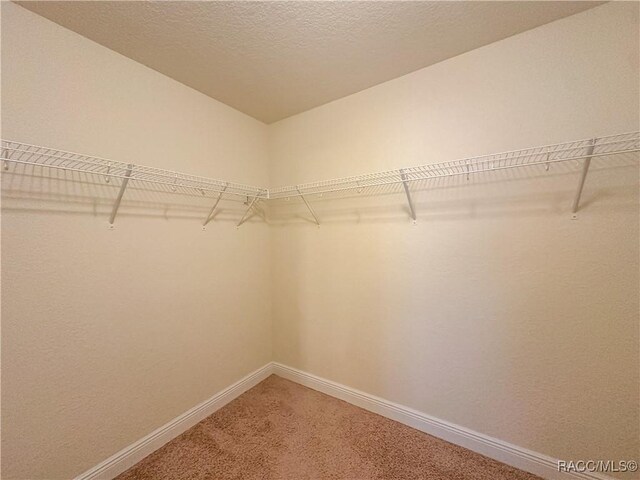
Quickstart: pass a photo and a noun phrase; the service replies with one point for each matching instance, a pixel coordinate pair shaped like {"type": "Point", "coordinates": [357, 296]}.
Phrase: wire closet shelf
{"type": "Point", "coordinates": [579, 152]}
{"type": "Point", "coordinates": [544, 155]}
{"type": "Point", "coordinates": [37, 156]}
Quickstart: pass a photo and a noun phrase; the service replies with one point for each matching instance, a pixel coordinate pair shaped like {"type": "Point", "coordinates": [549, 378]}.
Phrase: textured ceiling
{"type": "Point", "coordinates": [275, 59]}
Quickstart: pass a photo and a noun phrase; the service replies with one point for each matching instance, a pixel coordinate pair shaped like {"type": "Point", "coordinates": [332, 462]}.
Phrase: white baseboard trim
{"type": "Point", "coordinates": [533, 462]}
{"type": "Point", "coordinates": [129, 456]}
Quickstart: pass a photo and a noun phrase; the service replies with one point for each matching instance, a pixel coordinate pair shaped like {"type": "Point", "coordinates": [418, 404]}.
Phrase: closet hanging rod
{"type": "Point", "coordinates": [544, 155]}
{"type": "Point", "coordinates": [37, 156]}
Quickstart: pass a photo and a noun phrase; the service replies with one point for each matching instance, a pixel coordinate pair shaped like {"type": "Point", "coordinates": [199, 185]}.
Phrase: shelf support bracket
{"type": "Point", "coordinates": [245, 216]}
{"type": "Point", "coordinates": [583, 177]}
{"type": "Point", "coordinates": [408, 193]}
{"type": "Point", "coordinates": [313, 214]}
{"type": "Point", "coordinates": [213, 209]}
{"type": "Point", "coordinates": [123, 187]}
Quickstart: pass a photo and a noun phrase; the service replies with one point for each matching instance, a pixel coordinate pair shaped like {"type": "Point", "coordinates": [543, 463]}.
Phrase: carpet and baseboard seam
{"type": "Point", "coordinates": [521, 458]}
{"type": "Point", "coordinates": [129, 456]}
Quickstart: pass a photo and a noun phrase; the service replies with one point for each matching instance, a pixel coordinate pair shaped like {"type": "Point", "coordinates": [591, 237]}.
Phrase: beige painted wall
{"type": "Point", "coordinates": [107, 335]}
{"type": "Point", "coordinates": [496, 311]}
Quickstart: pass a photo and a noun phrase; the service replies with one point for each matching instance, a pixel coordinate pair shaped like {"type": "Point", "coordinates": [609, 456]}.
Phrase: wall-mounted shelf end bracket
{"type": "Point", "coordinates": [313, 214]}
{"type": "Point", "coordinates": [583, 176]}
{"type": "Point", "coordinates": [408, 193]}
{"type": "Point", "coordinates": [116, 204]}
{"type": "Point", "coordinates": [245, 217]}
{"type": "Point", "coordinates": [213, 209]}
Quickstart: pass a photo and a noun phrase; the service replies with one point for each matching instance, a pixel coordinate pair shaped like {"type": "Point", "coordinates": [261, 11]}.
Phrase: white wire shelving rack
{"type": "Point", "coordinates": [42, 157]}
{"type": "Point", "coordinates": [580, 152]}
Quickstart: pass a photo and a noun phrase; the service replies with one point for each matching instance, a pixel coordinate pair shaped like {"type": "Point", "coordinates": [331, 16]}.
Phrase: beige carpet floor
{"type": "Point", "coordinates": [282, 430]}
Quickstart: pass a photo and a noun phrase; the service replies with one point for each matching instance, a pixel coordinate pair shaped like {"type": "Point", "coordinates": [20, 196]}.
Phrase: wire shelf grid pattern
{"type": "Point", "coordinates": [36, 156]}
{"type": "Point", "coordinates": [172, 181]}
{"type": "Point", "coordinates": [544, 155]}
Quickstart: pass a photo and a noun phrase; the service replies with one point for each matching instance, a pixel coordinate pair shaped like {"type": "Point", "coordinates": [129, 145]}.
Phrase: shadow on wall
{"type": "Point", "coordinates": [30, 189]}
{"type": "Point", "coordinates": [528, 191]}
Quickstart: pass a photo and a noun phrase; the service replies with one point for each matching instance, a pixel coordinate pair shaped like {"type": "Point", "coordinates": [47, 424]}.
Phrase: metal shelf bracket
{"type": "Point", "coordinates": [315, 218]}
{"type": "Point", "coordinates": [123, 187]}
{"type": "Point", "coordinates": [213, 209]}
{"type": "Point", "coordinates": [408, 193]}
{"type": "Point", "coordinates": [583, 177]}
{"type": "Point", "coordinates": [245, 216]}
